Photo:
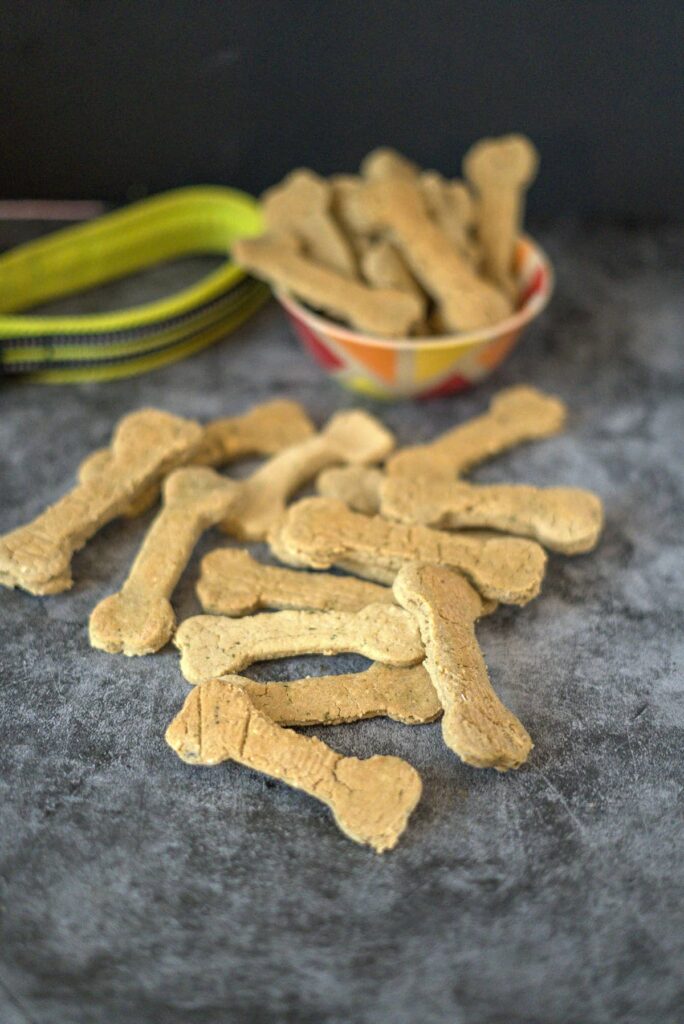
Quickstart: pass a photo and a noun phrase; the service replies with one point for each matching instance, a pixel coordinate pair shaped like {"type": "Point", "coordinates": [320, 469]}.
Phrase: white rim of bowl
{"type": "Point", "coordinates": [517, 321]}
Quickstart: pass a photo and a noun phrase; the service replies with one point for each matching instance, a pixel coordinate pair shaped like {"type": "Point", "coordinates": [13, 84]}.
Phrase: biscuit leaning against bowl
{"type": "Point", "coordinates": [424, 367]}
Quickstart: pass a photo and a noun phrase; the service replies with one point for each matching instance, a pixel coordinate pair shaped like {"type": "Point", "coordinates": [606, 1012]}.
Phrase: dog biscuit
{"type": "Point", "coordinates": [500, 171]}
{"type": "Point", "coordinates": [383, 267]}
{"type": "Point", "coordinates": [352, 436]}
{"type": "Point", "coordinates": [213, 645]}
{"type": "Point", "coordinates": [357, 486]}
{"type": "Point", "coordinates": [98, 463]}
{"type": "Point", "coordinates": [284, 554]}
{"type": "Point", "coordinates": [403, 694]}
{"type": "Point", "coordinates": [341, 186]}
{"type": "Point", "coordinates": [371, 800]}
{"type": "Point", "coordinates": [516, 414]}
{"type": "Point", "coordinates": [146, 444]}
{"type": "Point", "coordinates": [564, 519]}
{"type": "Point", "coordinates": [383, 163]}
{"type": "Point", "coordinates": [233, 583]}
{"type": "Point", "coordinates": [301, 205]}
{"type": "Point", "coordinates": [263, 430]}
{"type": "Point", "coordinates": [475, 725]}
{"type": "Point", "coordinates": [139, 619]}
{"type": "Point", "coordinates": [323, 532]}
{"type": "Point", "coordinates": [385, 312]}
{"type": "Point", "coordinates": [377, 573]}
{"type": "Point", "coordinates": [450, 205]}
{"type": "Point", "coordinates": [396, 206]}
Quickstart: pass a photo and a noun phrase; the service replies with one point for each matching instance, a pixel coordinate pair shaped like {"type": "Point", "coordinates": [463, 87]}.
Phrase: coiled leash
{"type": "Point", "coordinates": [104, 346]}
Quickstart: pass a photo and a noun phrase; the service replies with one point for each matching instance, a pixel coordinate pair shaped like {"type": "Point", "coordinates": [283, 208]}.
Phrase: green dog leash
{"type": "Point", "coordinates": [104, 346]}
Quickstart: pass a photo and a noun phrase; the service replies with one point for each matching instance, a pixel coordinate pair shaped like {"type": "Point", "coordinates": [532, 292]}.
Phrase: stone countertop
{"type": "Point", "coordinates": [134, 888]}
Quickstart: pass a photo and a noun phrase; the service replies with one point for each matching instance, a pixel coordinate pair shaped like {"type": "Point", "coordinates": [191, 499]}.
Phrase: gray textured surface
{"type": "Point", "coordinates": [138, 889]}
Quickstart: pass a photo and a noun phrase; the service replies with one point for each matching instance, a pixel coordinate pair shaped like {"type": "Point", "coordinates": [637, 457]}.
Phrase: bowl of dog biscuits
{"type": "Point", "coordinates": [399, 281]}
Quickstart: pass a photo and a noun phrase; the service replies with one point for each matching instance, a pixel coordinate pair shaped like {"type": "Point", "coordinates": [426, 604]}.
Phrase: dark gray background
{"type": "Point", "coordinates": [135, 889]}
{"type": "Point", "coordinates": [113, 99]}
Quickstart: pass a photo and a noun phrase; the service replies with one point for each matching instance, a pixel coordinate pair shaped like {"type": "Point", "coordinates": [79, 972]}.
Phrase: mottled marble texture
{"type": "Point", "coordinates": [135, 889]}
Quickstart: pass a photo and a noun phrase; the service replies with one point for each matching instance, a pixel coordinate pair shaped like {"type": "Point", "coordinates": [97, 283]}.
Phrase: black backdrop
{"type": "Point", "coordinates": [117, 98]}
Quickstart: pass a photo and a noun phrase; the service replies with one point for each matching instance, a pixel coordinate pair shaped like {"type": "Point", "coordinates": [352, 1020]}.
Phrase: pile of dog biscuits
{"type": "Point", "coordinates": [396, 251]}
{"type": "Point", "coordinates": [424, 554]}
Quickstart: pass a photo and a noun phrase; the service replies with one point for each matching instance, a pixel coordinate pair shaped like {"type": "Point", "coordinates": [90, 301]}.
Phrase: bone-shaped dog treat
{"type": "Point", "coordinates": [563, 519]}
{"type": "Point", "coordinates": [515, 415]}
{"type": "Point", "coordinates": [322, 532]}
{"type": "Point", "coordinates": [98, 463]}
{"type": "Point", "coordinates": [384, 163]}
{"type": "Point", "coordinates": [403, 694]}
{"type": "Point", "coordinates": [213, 646]}
{"type": "Point", "coordinates": [342, 185]}
{"type": "Point", "coordinates": [387, 577]}
{"type": "Point", "coordinates": [356, 486]}
{"type": "Point", "coordinates": [378, 573]}
{"type": "Point", "coordinates": [451, 206]}
{"type": "Point", "coordinates": [351, 436]}
{"type": "Point", "coordinates": [233, 583]}
{"type": "Point", "coordinates": [139, 619]}
{"type": "Point", "coordinates": [380, 263]}
{"type": "Point", "coordinates": [371, 800]}
{"type": "Point", "coordinates": [37, 557]}
{"type": "Point", "coordinates": [301, 205]}
{"type": "Point", "coordinates": [381, 311]}
{"type": "Point", "coordinates": [500, 170]}
{"type": "Point", "coordinates": [263, 430]}
{"type": "Point", "coordinates": [286, 554]}
{"type": "Point", "coordinates": [383, 267]}
{"type": "Point", "coordinates": [476, 725]}
{"type": "Point", "coordinates": [396, 206]}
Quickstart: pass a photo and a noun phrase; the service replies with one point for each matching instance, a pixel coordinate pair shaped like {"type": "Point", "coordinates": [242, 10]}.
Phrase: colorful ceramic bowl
{"type": "Point", "coordinates": [423, 367]}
